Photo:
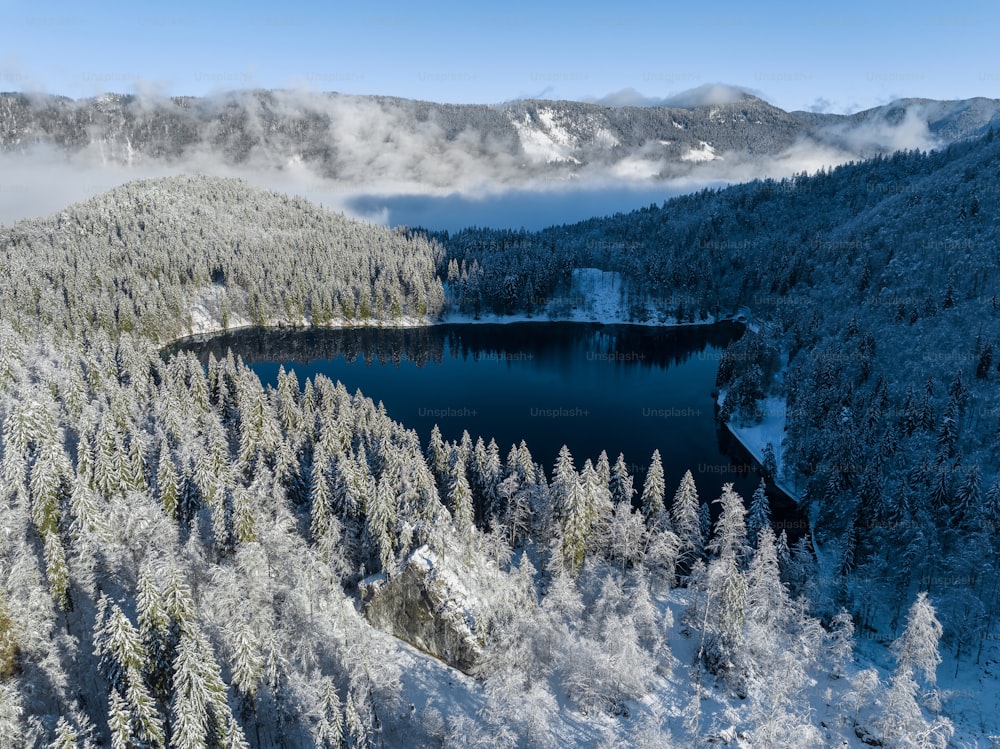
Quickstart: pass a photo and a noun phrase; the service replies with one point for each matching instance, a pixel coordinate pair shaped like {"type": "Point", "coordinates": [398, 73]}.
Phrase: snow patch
{"type": "Point", "coordinates": [705, 152]}
{"type": "Point", "coordinates": [546, 142]}
{"type": "Point", "coordinates": [594, 295]}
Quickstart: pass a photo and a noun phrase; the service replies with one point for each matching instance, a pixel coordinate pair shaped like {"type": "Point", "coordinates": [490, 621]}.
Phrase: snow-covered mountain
{"type": "Point", "coordinates": [367, 139]}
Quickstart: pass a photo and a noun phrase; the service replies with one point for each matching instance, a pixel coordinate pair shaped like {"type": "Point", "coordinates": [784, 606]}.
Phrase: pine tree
{"type": "Point", "coordinates": [200, 714]}
{"type": "Point", "coordinates": [120, 722]}
{"type": "Point", "coordinates": [570, 510]}
{"type": "Point", "coordinates": [727, 588]}
{"type": "Point", "coordinates": [916, 650]}
{"type": "Point", "coordinates": [437, 456]}
{"type": "Point", "coordinates": [356, 729]}
{"type": "Point", "coordinates": [124, 662]}
{"type": "Point", "coordinates": [67, 737]}
{"type": "Point", "coordinates": [967, 504]}
{"type": "Point", "coordinates": [380, 514]}
{"type": "Point", "coordinates": [12, 731]}
{"type": "Point", "coordinates": [768, 602]}
{"type": "Point", "coordinates": [621, 482]}
{"type": "Point", "coordinates": [244, 523]}
{"type": "Point", "coordinates": [991, 509]}
{"type": "Point", "coordinates": [705, 520]}
{"type": "Point", "coordinates": [686, 520]}
{"type": "Point", "coordinates": [759, 516]}
{"type": "Point", "coordinates": [769, 463]}
{"type": "Point", "coordinates": [459, 494]}
{"type": "Point", "coordinates": [653, 491]}
{"type": "Point", "coordinates": [492, 474]}
{"type": "Point", "coordinates": [9, 648]}
{"type": "Point", "coordinates": [320, 501]}
{"type": "Point", "coordinates": [154, 633]}
{"type": "Point", "coordinates": [56, 570]}
{"type": "Point", "coordinates": [329, 731]}
{"type": "Point", "coordinates": [599, 507]}
{"type": "Point", "coordinates": [167, 483]}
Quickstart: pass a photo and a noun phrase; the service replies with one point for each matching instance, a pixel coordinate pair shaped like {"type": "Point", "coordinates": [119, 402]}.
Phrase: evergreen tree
{"type": "Point", "coordinates": [124, 663]}
{"type": "Point", "coordinates": [621, 483]}
{"type": "Point", "coordinates": [437, 456]}
{"type": "Point", "coordinates": [759, 516]}
{"type": "Point", "coordinates": [378, 528]}
{"type": "Point", "coordinates": [459, 493]}
{"type": "Point", "coordinates": [329, 731]}
{"type": "Point", "coordinates": [570, 510]}
{"type": "Point", "coordinates": [597, 498]}
{"type": "Point", "coordinates": [769, 463]}
{"type": "Point", "coordinates": [916, 650]}
{"type": "Point", "coordinates": [67, 737]}
{"type": "Point", "coordinates": [653, 491]}
{"type": "Point", "coordinates": [167, 484]}
{"type": "Point", "coordinates": [199, 711]}
{"type": "Point", "coordinates": [686, 520]}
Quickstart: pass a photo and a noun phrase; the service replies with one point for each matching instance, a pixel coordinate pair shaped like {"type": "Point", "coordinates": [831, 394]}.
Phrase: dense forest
{"type": "Point", "coordinates": [876, 287]}
{"type": "Point", "coordinates": [189, 558]}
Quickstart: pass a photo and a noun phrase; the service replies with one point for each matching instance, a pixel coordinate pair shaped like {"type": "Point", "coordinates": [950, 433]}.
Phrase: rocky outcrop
{"type": "Point", "coordinates": [426, 605]}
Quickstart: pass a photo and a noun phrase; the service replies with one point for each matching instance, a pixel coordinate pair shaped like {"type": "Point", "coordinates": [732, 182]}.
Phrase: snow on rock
{"type": "Point", "coordinates": [427, 606]}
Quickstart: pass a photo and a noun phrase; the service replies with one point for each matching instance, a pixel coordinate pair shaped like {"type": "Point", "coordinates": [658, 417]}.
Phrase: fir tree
{"type": "Point", "coordinates": [621, 483]}
{"type": "Point", "coordinates": [759, 516]}
{"type": "Point", "coordinates": [570, 510]}
{"type": "Point", "coordinates": [686, 521]}
{"type": "Point", "coordinates": [653, 491]}
{"type": "Point", "coordinates": [915, 650]}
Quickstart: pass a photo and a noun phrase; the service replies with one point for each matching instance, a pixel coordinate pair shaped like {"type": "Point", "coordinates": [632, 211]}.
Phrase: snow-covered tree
{"type": "Point", "coordinates": [902, 722]}
{"type": "Point", "coordinates": [686, 522]}
{"type": "Point", "coordinates": [759, 516]}
{"type": "Point", "coordinates": [571, 512]}
{"type": "Point", "coordinates": [621, 482]}
{"type": "Point", "coordinates": [654, 490]}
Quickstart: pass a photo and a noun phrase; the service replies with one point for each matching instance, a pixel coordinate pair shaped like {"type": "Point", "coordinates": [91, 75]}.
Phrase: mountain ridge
{"type": "Point", "coordinates": [359, 140]}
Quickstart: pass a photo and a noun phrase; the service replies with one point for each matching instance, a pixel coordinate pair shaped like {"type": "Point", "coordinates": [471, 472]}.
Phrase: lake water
{"type": "Point", "coordinates": [530, 209]}
{"type": "Point", "coordinates": [620, 388]}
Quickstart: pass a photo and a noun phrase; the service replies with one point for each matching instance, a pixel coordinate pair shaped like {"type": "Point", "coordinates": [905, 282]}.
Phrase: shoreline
{"type": "Point", "coordinates": [456, 319]}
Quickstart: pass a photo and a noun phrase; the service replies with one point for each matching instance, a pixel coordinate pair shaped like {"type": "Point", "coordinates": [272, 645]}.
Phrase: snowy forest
{"type": "Point", "coordinates": [191, 559]}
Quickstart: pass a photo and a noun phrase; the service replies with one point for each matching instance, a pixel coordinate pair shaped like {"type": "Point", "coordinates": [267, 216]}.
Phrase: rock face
{"type": "Point", "coordinates": [426, 605]}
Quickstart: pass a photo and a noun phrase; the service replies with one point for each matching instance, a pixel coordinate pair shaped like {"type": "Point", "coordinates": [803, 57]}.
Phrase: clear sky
{"type": "Point", "coordinates": [836, 57]}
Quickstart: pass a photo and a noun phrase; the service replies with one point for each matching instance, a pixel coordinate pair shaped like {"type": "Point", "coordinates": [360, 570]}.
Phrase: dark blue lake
{"type": "Point", "coordinates": [620, 388]}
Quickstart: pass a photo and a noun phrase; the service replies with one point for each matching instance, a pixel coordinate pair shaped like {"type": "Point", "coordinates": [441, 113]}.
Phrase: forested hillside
{"type": "Point", "coordinates": [876, 287]}
{"type": "Point", "coordinates": [170, 257]}
{"type": "Point", "coordinates": [187, 555]}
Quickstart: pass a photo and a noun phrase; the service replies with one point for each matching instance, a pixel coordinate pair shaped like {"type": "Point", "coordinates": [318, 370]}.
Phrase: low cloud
{"type": "Point", "coordinates": [866, 136]}
{"type": "Point", "coordinates": [389, 162]}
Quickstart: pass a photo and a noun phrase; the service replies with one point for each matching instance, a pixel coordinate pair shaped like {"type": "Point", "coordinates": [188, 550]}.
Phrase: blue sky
{"type": "Point", "coordinates": [835, 57]}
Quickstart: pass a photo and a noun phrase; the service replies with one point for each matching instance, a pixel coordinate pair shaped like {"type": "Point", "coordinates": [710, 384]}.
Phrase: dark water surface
{"type": "Point", "coordinates": [621, 388]}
